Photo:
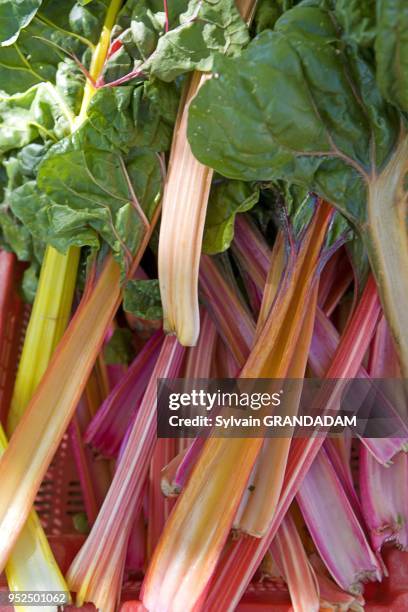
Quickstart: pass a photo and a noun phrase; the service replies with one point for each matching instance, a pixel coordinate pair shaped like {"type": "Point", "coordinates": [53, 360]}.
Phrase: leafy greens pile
{"type": "Point", "coordinates": [69, 182]}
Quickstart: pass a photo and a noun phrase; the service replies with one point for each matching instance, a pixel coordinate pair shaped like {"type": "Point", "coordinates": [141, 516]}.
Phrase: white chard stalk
{"type": "Point", "coordinates": [184, 208]}
{"type": "Point", "coordinates": [183, 215]}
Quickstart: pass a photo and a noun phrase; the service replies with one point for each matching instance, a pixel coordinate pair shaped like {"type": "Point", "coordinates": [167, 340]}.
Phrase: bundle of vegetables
{"type": "Point", "coordinates": [270, 140]}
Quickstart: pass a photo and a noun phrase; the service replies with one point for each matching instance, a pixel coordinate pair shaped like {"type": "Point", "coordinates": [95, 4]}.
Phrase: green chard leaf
{"type": "Point", "coordinates": [38, 112]}
{"type": "Point", "coordinates": [14, 16]}
{"type": "Point", "coordinates": [297, 106]}
{"type": "Point", "coordinates": [56, 31]}
{"type": "Point", "coordinates": [142, 299]}
{"type": "Point", "coordinates": [227, 199]}
{"type": "Point", "coordinates": [391, 48]}
{"type": "Point", "coordinates": [198, 30]}
{"type": "Point", "coordinates": [143, 115]}
{"type": "Point", "coordinates": [15, 236]}
{"type": "Point", "coordinates": [208, 27]}
{"type": "Point", "coordinates": [268, 12]}
{"type": "Point", "coordinates": [91, 184]}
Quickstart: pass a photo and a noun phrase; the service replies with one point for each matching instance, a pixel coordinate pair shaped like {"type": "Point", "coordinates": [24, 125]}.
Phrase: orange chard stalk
{"type": "Point", "coordinates": [185, 201]}
{"type": "Point", "coordinates": [196, 531]}
{"type": "Point", "coordinates": [263, 496]}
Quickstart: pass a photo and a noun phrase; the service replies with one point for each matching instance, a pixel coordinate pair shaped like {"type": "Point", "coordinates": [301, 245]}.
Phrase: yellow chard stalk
{"type": "Point", "coordinates": [185, 201]}
{"type": "Point", "coordinates": [270, 470]}
{"type": "Point", "coordinates": [31, 564]}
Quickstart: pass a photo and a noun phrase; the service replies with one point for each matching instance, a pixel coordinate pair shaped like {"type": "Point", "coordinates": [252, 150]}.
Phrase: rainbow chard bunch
{"type": "Point", "coordinates": [201, 189]}
{"type": "Point", "coordinates": [306, 104]}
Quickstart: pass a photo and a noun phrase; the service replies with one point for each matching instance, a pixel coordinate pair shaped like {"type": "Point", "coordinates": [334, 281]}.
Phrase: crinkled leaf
{"type": "Point", "coordinates": [35, 113]}
{"type": "Point", "coordinates": [357, 20]}
{"type": "Point", "coordinates": [142, 299]}
{"type": "Point", "coordinates": [155, 110]}
{"type": "Point", "coordinates": [15, 236]}
{"type": "Point", "coordinates": [296, 106]}
{"type": "Point", "coordinates": [139, 25]}
{"type": "Point", "coordinates": [70, 82]}
{"type": "Point", "coordinates": [198, 30]}
{"type": "Point", "coordinates": [151, 13]}
{"type": "Point", "coordinates": [227, 198]}
{"type": "Point", "coordinates": [119, 349]}
{"type": "Point", "coordinates": [391, 47]}
{"type": "Point", "coordinates": [47, 40]}
{"type": "Point", "coordinates": [140, 116]}
{"type": "Point", "coordinates": [14, 16]}
{"type": "Point", "coordinates": [208, 27]}
{"type": "Point", "coordinates": [85, 188]}
{"type": "Point", "coordinates": [58, 226]}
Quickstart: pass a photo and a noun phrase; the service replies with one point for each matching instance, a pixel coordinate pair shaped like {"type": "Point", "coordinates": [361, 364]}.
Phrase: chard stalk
{"type": "Point", "coordinates": [196, 531]}
{"type": "Point", "coordinates": [106, 430]}
{"type": "Point", "coordinates": [335, 529]}
{"type": "Point", "coordinates": [289, 555]}
{"type": "Point", "coordinates": [252, 255]}
{"type": "Point", "coordinates": [158, 506]}
{"type": "Point", "coordinates": [94, 476]}
{"type": "Point", "coordinates": [266, 484]}
{"type": "Point", "coordinates": [250, 249]}
{"type": "Point", "coordinates": [246, 553]}
{"type": "Point", "coordinates": [199, 364]}
{"type": "Point", "coordinates": [231, 317]}
{"type": "Point", "coordinates": [384, 490]}
{"type": "Point", "coordinates": [387, 242]}
{"type": "Point", "coordinates": [48, 320]}
{"type": "Point", "coordinates": [185, 201]}
{"type": "Point", "coordinates": [40, 430]}
{"type": "Point", "coordinates": [199, 359]}
{"type": "Point", "coordinates": [11, 323]}
{"type": "Point", "coordinates": [96, 572]}
{"type": "Point", "coordinates": [136, 550]}
{"type": "Point", "coordinates": [384, 494]}
{"type": "Point", "coordinates": [331, 596]}
{"type": "Point", "coordinates": [278, 273]}
{"type": "Point", "coordinates": [176, 473]}
{"type": "Point", "coordinates": [324, 343]}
